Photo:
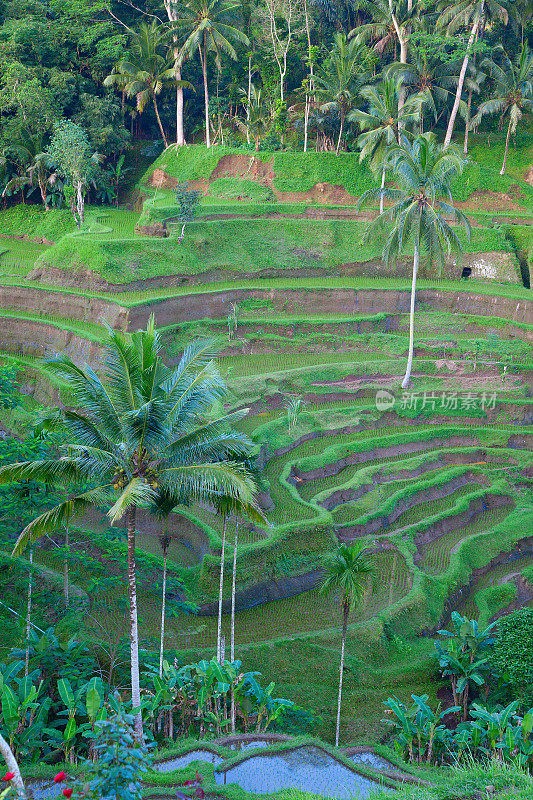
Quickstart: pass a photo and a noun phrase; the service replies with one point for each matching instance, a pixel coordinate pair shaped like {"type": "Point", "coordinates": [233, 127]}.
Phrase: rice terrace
{"type": "Point", "coordinates": [266, 399]}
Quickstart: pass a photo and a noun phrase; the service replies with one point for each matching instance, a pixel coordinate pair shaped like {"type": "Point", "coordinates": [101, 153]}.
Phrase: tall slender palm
{"type": "Point", "coordinates": [258, 116]}
{"type": "Point", "coordinates": [29, 151]}
{"type": "Point", "coordinates": [464, 13]}
{"type": "Point", "coordinates": [227, 506]}
{"type": "Point", "coordinates": [383, 122]}
{"type": "Point", "coordinates": [512, 94]}
{"type": "Point", "coordinates": [341, 77]}
{"type": "Point", "coordinates": [209, 31]}
{"type": "Point", "coordinates": [142, 433]}
{"type": "Point", "coordinates": [346, 571]}
{"type": "Point", "coordinates": [437, 79]}
{"type": "Point", "coordinates": [143, 74]}
{"type": "Point", "coordinates": [424, 172]}
{"type": "Point", "coordinates": [389, 27]}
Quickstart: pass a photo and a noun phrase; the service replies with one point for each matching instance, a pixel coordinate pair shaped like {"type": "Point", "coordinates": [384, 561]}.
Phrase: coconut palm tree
{"type": "Point", "coordinates": [512, 94]}
{"type": "Point", "coordinates": [341, 77]}
{"type": "Point", "coordinates": [464, 13]}
{"type": "Point", "coordinates": [383, 122]}
{"type": "Point", "coordinates": [390, 25]}
{"type": "Point", "coordinates": [346, 572]}
{"type": "Point", "coordinates": [143, 74]}
{"type": "Point", "coordinates": [435, 78]}
{"type": "Point", "coordinates": [424, 172]}
{"type": "Point", "coordinates": [258, 116]}
{"type": "Point", "coordinates": [209, 31]}
{"type": "Point", "coordinates": [29, 152]}
{"type": "Point", "coordinates": [142, 433]}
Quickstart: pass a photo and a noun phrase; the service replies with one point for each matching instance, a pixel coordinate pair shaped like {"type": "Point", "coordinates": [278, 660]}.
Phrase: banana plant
{"type": "Point", "coordinates": [24, 715]}
{"type": "Point", "coordinates": [420, 735]}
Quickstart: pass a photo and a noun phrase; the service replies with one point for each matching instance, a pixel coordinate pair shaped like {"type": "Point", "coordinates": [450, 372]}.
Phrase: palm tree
{"type": "Point", "coordinates": [227, 506]}
{"type": "Point", "coordinates": [142, 76]}
{"type": "Point", "coordinates": [424, 172]}
{"type": "Point", "coordinates": [346, 571]}
{"type": "Point", "coordinates": [258, 117]}
{"type": "Point", "coordinates": [209, 32]}
{"type": "Point", "coordinates": [390, 25]}
{"type": "Point", "coordinates": [142, 433]}
{"type": "Point", "coordinates": [435, 78]}
{"type": "Point", "coordinates": [383, 122]}
{"type": "Point", "coordinates": [341, 77]}
{"type": "Point", "coordinates": [512, 94]}
{"type": "Point", "coordinates": [29, 152]}
{"type": "Point", "coordinates": [462, 13]}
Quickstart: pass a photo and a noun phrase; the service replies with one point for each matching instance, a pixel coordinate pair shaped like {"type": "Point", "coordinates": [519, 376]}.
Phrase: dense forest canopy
{"type": "Point", "coordinates": [265, 73]}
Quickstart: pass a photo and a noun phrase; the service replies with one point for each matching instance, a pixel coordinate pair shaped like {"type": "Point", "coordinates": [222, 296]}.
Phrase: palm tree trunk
{"type": "Point", "coordinates": [462, 75]}
{"type": "Point", "coordinates": [180, 134]}
{"type": "Point", "coordinates": [42, 189]}
{"type": "Point", "coordinates": [345, 611]}
{"type": "Point", "coordinates": [382, 199]}
{"type": "Point", "coordinates": [159, 121]}
{"type": "Point", "coordinates": [467, 123]}
{"type": "Point", "coordinates": [233, 585]}
{"type": "Point", "coordinates": [65, 569]}
{"type": "Point", "coordinates": [502, 171]}
{"type": "Point", "coordinates": [203, 59]}
{"type": "Point", "coordinates": [221, 589]}
{"type": "Point", "coordinates": [407, 378]}
{"type": "Point", "coordinates": [340, 133]}
{"type": "Point", "coordinates": [12, 766]}
{"type": "Point", "coordinates": [134, 628]}
{"type": "Point", "coordinates": [165, 541]}
{"type": "Point", "coordinates": [28, 616]}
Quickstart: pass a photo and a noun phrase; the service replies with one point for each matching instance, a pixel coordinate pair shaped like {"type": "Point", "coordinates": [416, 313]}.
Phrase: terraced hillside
{"type": "Point", "coordinates": [436, 481]}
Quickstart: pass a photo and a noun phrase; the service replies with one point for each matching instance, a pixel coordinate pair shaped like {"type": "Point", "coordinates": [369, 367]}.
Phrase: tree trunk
{"type": "Point", "coordinates": [467, 123]}
{"type": "Point", "coordinates": [65, 569]}
{"type": "Point", "coordinates": [134, 629]}
{"type": "Point", "coordinates": [382, 199]}
{"type": "Point", "coordinates": [502, 171]}
{"type": "Point", "coordinates": [462, 75]}
{"type": "Point", "coordinates": [403, 60]}
{"type": "Point", "coordinates": [203, 59]}
{"type": "Point", "coordinates": [180, 134]}
{"type": "Point", "coordinates": [233, 585]}
{"type": "Point", "coordinates": [42, 189]}
{"type": "Point", "coordinates": [159, 121]}
{"type": "Point", "coordinates": [28, 615]}
{"type": "Point", "coordinates": [12, 766]}
{"type": "Point", "coordinates": [405, 382]}
{"type": "Point", "coordinates": [340, 133]}
{"type": "Point", "coordinates": [165, 541]}
{"type": "Point", "coordinates": [345, 611]}
{"type": "Point", "coordinates": [221, 588]}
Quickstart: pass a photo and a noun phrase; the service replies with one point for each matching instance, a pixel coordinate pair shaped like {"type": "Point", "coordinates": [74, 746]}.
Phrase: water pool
{"type": "Point", "coordinates": [307, 768]}
{"type": "Point", "coordinates": [370, 759]}
{"type": "Point", "coordinates": [187, 758]}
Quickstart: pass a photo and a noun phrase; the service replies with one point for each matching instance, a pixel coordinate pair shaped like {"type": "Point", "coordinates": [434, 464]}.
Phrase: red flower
{"type": "Point", "coordinates": [67, 792]}
{"type": "Point", "coordinates": [60, 777]}
{"type": "Point", "coordinates": [8, 776]}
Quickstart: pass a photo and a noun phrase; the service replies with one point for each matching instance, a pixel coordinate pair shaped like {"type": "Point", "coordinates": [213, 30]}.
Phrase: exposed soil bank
{"type": "Point", "coordinates": [250, 167]}
{"type": "Point", "coordinates": [380, 454]}
{"type": "Point", "coordinates": [282, 301]}
{"type": "Point", "coordinates": [266, 592]}
{"type": "Point", "coordinates": [476, 507]}
{"type": "Point", "coordinates": [523, 549]}
{"type": "Point", "coordinates": [34, 338]}
{"type": "Point", "coordinates": [27, 299]}
{"type": "Point", "coordinates": [348, 495]}
{"type": "Point", "coordinates": [487, 266]}
{"type": "Point", "coordinates": [321, 302]}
